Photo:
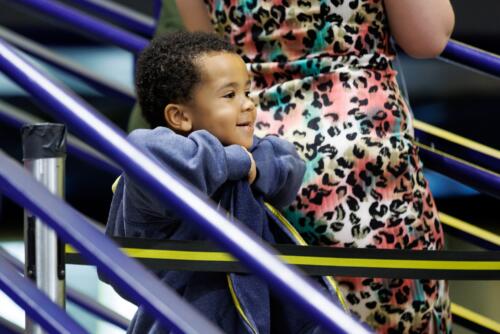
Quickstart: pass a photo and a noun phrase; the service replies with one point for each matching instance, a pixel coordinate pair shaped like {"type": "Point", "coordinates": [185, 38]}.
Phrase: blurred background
{"type": "Point", "coordinates": [453, 98]}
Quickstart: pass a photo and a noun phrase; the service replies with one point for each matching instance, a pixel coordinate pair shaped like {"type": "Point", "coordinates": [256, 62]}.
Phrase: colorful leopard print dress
{"type": "Point", "coordinates": [323, 79]}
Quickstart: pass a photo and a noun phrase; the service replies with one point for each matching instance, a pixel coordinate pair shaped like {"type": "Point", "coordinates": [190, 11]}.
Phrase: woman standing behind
{"type": "Point", "coordinates": [323, 79]}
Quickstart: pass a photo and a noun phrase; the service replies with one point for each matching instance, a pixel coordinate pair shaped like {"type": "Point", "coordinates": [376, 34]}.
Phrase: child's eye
{"type": "Point", "coordinates": [247, 94]}
{"type": "Point", "coordinates": [229, 95]}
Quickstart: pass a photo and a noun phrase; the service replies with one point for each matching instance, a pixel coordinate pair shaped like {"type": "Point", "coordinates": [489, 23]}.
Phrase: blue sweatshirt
{"type": "Point", "coordinates": [221, 173]}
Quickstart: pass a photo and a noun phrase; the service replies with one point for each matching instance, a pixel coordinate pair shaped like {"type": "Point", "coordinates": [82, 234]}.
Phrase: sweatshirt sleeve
{"type": "Point", "coordinates": [280, 170]}
{"type": "Point", "coordinates": [199, 158]}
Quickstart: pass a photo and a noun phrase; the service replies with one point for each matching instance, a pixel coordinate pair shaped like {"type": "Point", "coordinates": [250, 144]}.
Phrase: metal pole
{"type": "Point", "coordinates": [84, 23]}
{"type": "Point", "coordinates": [129, 18]}
{"type": "Point", "coordinates": [44, 151]}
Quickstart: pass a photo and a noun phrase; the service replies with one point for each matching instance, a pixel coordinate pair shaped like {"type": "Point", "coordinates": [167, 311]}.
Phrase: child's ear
{"type": "Point", "coordinates": [178, 117]}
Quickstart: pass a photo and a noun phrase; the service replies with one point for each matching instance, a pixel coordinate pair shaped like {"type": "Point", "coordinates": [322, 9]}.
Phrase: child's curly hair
{"type": "Point", "coordinates": [166, 71]}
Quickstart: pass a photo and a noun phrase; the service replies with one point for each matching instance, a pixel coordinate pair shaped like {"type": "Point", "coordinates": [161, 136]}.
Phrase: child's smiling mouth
{"type": "Point", "coordinates": [246, 126]}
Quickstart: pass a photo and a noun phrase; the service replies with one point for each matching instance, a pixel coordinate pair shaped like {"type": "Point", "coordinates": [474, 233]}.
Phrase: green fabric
{"type": "Point", "coordinates": [169, 21]}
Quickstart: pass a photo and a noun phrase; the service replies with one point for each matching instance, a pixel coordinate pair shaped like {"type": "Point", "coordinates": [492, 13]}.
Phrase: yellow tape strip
{"type": "Point", "coordinates": [469, 228]}
{"type": "Point", "coordinates": [316, 261]}
{"type": "Point", "coordinates": [438, 132]}
{"type": "Point", "coordinates": [475, 317]}
{"type": "Point", "coordinates": [455, 158]}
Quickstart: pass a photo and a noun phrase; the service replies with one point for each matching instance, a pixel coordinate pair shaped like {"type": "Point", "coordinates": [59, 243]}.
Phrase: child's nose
{"type": "Point", "coordinates": [248, 104]}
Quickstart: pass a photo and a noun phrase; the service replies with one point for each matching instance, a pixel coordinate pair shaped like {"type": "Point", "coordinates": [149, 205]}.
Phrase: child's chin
{"type": "Point", "coordinates": [248, 143]}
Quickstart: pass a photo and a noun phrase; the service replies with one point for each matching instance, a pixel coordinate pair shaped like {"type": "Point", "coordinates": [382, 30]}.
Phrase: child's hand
{"type": "Point", "coordinates": [252, 174]}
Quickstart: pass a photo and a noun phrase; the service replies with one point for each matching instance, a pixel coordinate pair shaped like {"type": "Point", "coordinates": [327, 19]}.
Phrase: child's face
{"type": "Point", "coordinates": [220, 102]}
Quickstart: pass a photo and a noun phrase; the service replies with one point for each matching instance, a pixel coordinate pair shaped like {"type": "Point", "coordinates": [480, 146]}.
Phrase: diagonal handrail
{"type": "Point", "coordinates": [482, 155]}
{"type": "Point", "coordinates": [470, 57]}
{"type": "Point", "coordinates": [125, 16]}
{"type": "Point", "coordinates": [455, 52]}
{"type": "Point", "coordinates": [479, 178]}
{"type": "Point", "coordinates": [473, 234]}
{"type": "Point", "coordinates": [136, 282]}
{"type": "Point", "coordinates": [17, 118]}
{"type": "Point", "coordinates": [92, 27]}
{"type": "Point", "coordinates": [25, 293]}
{"type": "Point", "coordinates": [77, 297]}
{"type": "Point", "coordinates": [474, 321]}
{"type": "Point", "coordinates": [189, 202]}
{"type": "Point", "coordinates": [34, 49]}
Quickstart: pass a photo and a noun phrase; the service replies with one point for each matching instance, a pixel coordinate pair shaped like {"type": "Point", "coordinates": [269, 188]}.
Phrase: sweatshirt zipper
{"type": "Point", "coordinates": [237, 304]}
{"type": "Point", "coordinates": [300, 241]}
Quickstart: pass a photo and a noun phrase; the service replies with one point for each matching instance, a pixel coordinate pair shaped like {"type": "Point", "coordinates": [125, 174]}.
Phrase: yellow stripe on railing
{"type": "Point", "coordinates": [469, 228]}
{"type": "Point", "coordinates": [455, 158]}
{"type": "Point", "coordinates": [454, 138]}
{"type": "Point", "coordinates": [474, 317]}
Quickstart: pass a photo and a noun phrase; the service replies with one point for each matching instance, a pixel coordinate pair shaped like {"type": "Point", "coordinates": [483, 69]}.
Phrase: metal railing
{"type": "Point", "coordinates": [454, 52]}
{"type": "Point", "coordinates": [189, 202]}
{"type": "Point", "coordinates": [78, 298]}
{"type": "Point", "coordinates": [86, 24]}
{"type": "Point", "coordinates": [122, 15]}
{"type": "Point", "coordinates": [472, 58]}
{"type": "Point", "coordinates": [17, 118]}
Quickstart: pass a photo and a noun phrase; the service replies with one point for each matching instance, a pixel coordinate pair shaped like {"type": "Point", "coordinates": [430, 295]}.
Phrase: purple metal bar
{"type": "Point", "coordinates": [464, 152]}
{"type": "Point", "coordinates": [97, 309]}
{"type": "Point", "coordinates": [189, 202]}
{"type": "Point", "coordinates": [481, 180]}
{"type": "Point", "coordinates": [38, 51]}
{"type": "Point", "coordinates": [77, 297]}
{"type": "Point", "coordinates": [86, 24]}
{"type": "Point", "coordinates": [124, 16]}
{"type": "Point", "coordinates": [157, 6]}
{"type": "Point", "coordinates": [6, 327]}
{"type": "Point", "coordinates": [137, 282]}
{"type": "Point", "coordinates": [24, 293]}
{"type": "Point", "coordinates": [16, 118]}
{"type": "Point", "coordinates": [470, 57]}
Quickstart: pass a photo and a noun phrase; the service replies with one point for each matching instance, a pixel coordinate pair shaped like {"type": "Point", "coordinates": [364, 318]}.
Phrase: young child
{"type": "Point", "coordinates": [193, 89]}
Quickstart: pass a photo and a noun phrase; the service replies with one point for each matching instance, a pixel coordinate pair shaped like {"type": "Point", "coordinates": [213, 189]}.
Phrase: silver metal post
{"type": "Point", "coordinates": [44, 151]}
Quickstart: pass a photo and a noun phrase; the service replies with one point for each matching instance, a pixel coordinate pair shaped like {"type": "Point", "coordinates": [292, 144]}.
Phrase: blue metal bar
{"type": "Point", "coordinates": [190, 203]}
{"type": "Point", "coordinates": [480, 179]}
{"type": "Point", "coordinates": [6, 327]}
{"type": "Point", "coordinates": [463, 152]}
{"type": "Point", "coordinates": [16, 118]}
{"type": "Point", "coordinates": [12, 260]}
{"type": "Point", "coordinates": [36, 304]}
{"type": "Point", "coordinates": [78, 298]}
{"type": "Point", "coordinates": [157, 7]}
{"type": "Point", "coordinates": [38, 51]}
{"type": "Point", "coordinates": [97, 309]}
{"type": "Point", "coordinates": [127, 17]}
{"type": "Point", "coordinates": [137, 282]}
{"type": "Point", "coordinates": [94, 28]}
{"type": "Point", "coordinates": [470, 57]}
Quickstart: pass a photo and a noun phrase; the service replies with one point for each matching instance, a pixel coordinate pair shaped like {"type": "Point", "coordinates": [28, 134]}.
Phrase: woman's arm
{"type": "Point", "coordinates": [194, 15]}
{"type": "Point", "coordinates": [421, 27]}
